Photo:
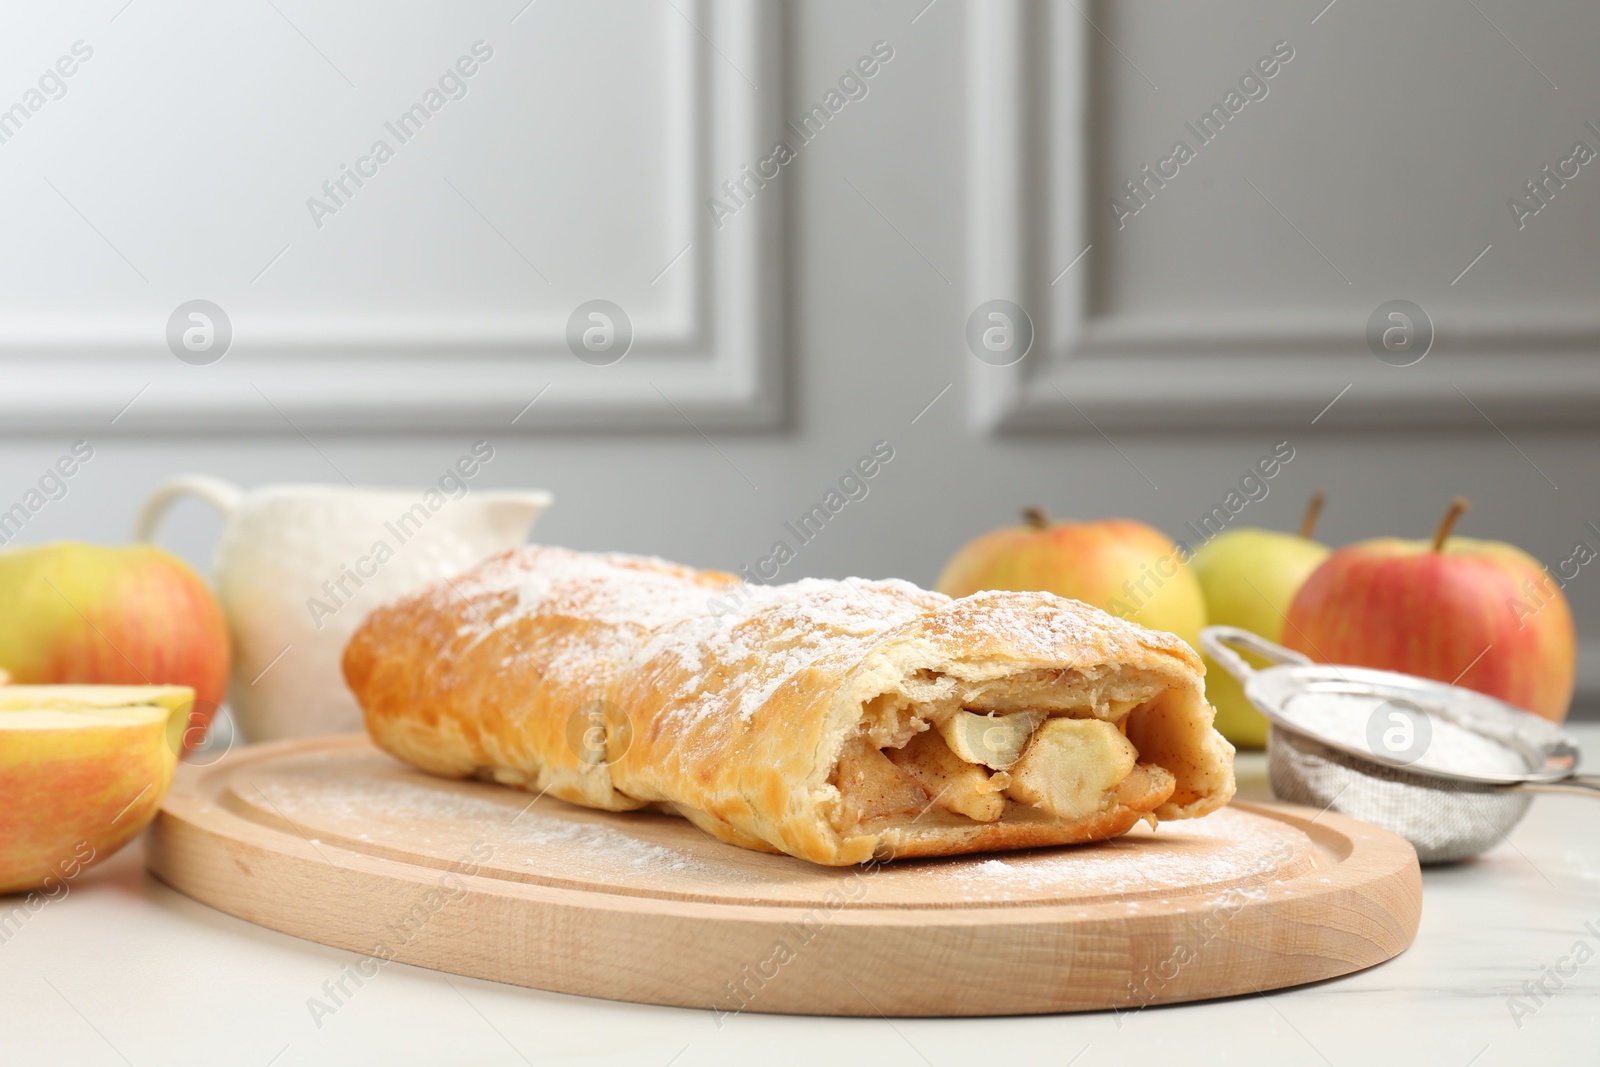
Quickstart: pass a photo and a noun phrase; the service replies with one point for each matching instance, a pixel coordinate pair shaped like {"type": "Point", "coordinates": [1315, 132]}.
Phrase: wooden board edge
{"type": "Point", "coordinates": [610, 946]}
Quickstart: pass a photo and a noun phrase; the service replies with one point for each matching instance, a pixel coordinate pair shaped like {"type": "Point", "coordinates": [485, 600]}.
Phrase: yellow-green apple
{"type": "Point", "coordinates": [80, 613]}
{"type": "Point", "coordinates": [1249, 578]}
{"type": "Point", "coordinates": [1452, 609]}
{"type": "Point", "coordinates": [82, 770]}
{"type": "Point", "coordinates": [1119, 565]}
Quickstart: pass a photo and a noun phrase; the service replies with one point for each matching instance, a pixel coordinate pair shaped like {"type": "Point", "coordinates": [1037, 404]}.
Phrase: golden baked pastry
{"type": "Point", "coordinates": [833, 720]}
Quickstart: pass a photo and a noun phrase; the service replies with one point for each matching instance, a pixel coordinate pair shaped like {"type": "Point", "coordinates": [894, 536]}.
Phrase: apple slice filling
{"type": "Point", "coordinates": [1068, 759]}
{"type": "Point", "coordinates": [995, 741]}
{"type": "Point", "coordinates": [954, 783]}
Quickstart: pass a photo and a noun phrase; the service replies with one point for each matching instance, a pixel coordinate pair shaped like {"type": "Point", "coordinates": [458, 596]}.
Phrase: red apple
{"type": "Point", "coordinates": [1118, 565]}
{"type": "Point", "coordinates": [98, 614]}
{"type": "Point", "coordinates": [1479, 614]}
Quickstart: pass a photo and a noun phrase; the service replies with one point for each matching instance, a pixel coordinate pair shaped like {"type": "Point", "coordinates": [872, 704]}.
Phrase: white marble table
{"type": "Point", "coordinates": [124, 970]}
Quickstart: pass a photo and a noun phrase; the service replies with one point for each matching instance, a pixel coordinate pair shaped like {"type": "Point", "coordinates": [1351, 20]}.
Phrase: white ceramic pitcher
{"type": "Point", "coordinates": [299, 566]}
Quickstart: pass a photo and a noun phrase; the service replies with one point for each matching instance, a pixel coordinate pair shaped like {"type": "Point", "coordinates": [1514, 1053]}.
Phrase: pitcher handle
{"type": "Point", "coordinates": [1219, 643]}
{"type": "Point", "coordinates": [224, 496]}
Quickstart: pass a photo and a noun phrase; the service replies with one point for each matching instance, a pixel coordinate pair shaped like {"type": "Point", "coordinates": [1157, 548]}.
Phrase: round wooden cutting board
{"type": "Point", "coordinates": [331, 840]}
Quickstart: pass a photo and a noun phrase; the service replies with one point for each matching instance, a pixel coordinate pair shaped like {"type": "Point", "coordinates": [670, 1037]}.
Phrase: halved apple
{"type": "Point", "coordinates": [83, 769]}
{"type": "Point", "coordinates": [79, 697]}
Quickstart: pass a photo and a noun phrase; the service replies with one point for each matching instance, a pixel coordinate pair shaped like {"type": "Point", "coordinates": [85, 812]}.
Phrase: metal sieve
{"type": "Point", "coordinates": [1449, 769]}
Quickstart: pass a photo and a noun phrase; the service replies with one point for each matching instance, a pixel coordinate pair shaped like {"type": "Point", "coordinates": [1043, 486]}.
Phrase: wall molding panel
{"type": "Point", "coordinates": [1030, 214]}
{"type": "Point", "coordinates": [710, 354]}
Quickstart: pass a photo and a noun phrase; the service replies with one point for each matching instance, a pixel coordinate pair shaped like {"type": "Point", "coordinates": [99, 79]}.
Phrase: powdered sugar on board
{"type": "Point", "coordinates": [463, 820]}
{"type": "Point", "coordinates": [1230, 847]}
{"type": "Point", "coordinates": [362, 801]}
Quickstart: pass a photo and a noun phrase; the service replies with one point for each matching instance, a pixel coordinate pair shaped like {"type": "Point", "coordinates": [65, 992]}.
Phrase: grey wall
{"type": "Point", "coordinates": [876, 260]}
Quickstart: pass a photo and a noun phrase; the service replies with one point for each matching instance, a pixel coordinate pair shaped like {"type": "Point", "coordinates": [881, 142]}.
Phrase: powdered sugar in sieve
{"type": "Point", "coordinates": [1449, 769]}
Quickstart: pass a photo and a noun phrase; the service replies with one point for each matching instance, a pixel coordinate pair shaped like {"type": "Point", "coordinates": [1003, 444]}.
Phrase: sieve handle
{"type": "Point", "coordinates": [1581, 784]}
{"type": "Point", "coordinates": [1219, 643]}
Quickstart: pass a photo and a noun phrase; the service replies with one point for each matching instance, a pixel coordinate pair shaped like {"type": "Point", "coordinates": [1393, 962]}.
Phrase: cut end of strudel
{"type": "Point", "coordinates": [836, 721]}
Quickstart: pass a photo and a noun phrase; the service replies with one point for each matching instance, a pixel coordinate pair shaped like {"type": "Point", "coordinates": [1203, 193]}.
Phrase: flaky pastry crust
{"type": "Point", "coordinates": [781, 717]}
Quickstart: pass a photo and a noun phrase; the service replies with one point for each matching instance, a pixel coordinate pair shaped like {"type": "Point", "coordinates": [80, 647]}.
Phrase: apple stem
{"type": "Point", "coordinates": [1035, 516]}
{"type": "Point", "coordinates": [1458, 508]}
{"type": "Point", "coordinates": [1308, 523]}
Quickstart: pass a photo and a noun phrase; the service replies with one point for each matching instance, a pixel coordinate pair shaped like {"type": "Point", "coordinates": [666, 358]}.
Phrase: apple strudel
{"type": "Point", "coordinates": [835, 721]}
